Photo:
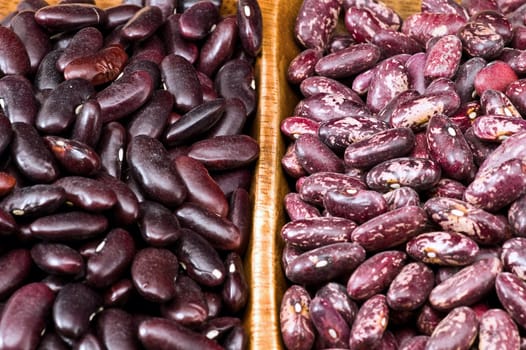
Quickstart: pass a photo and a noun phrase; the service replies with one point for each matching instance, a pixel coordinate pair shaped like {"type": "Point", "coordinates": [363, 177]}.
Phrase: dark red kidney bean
{"type": "Point", "coordinates": [297, 329]}
{"type": "Point", "coordinates": [52, 341]}
{"type": "Point", "coordinates": [362, 23]}
{"type": "Point", "coordinates": [202, 189]}
{"type": "Point", "coordinates": [6, 132]}
{"type": "Point", "coordinates": [380, 92]}
{"type": "Point", "coordinates": [317, 232]}
{"type": "Point", "coordinates": [65, 226]}
{"type": "Point", "coordinates": [401, 197]}
{"type": "Point", "coordinates": [153, 272]}
{"type": "Point", "coordinates": [158, 225]}
{"type": "Point", "coordinates": [112, 257]}
{"type": "Point", "coordinates": [207, 85]}
{"type": "Point", "coordinates": [56, 258]}
{"type": "Point", "coordinates": [370, 323]}
{"type": "Point", "coordinates": [75, 157]}
{"type": "Point", "coordinates": [24, 316]}
{"type": "Point", "coordinates": [379, 147]}
{"type": "Point", "coordinates": [69, 17]}
{"type": "Point", "coordinates": [194, 123]}
{"type": "Point", "coordinates": [443, 58]}
{"type": "Point", "coordinates": [418, 173]}
{"type": "Point", "coordinates": [16, 265]}
{"type": "Point", "coordinates": [8, 225]}
{"type": "Point", "coordinates": [457, 330]}
{"type": "Point", "coordinates": [150, 167]}
{"type": "Point", "coordinates": [325, 263]}
{"type": "Point", "coordinates": [325, 107]}
{"type": "Point", "coordinates": [298, 209]}
{"type": "Point", "coordinates": [125, 95]}
{"type": "Point", "coordinates": [99, 68]}
{"type": "Point", "coordinates": [332, 329]}
{"type": "Point", "coordinates": [88, 124]}
{"type": "Point", "coordinates": [200, 260]}
{"type": "Point", "coordinates": [33, 36]}
{"type": "Point", "coordinates": [515, 218]}
{"type": "Point", "coordinates": [465, 77]}
{"type": "Point", "coordinates": [34, 200]}
{"type": "Point", "coordinates": [87, 342]}
{"type": "Point", "coordinates": [150, 67]}
{"type": "Point", "coordinates": [462, 217]}
{"type": "Point", "coordinates": [119, 293]}
{"type": "Point", "coordinates": [250, 22]}
{"type": "Point", "coordinates": [214, 304]}
{"type": "Point", "coordinates": [390, 229]}
{"type": "Point", "coordinates": [126, 209]}
{"type": "Point", "coordinates": [111, 148]}
{"type": "Point", "coordinates": [163, 334]}
{"type": "Point", "coordinates": [317, 84]}
{"type": "Point", "coordinates": [150, 50]}
{"type": "Point", "coordinates": [31, 155]}
{"type": "Point", "coordinates": [216, 328]}
{"type": "Point", "coordinates": [443, 248]}
{"type": "Point", "coordinates": [314, 187]}
{"type": "Point", "coordinates": [180, 78]}
{"type": "Point", "coordinates": [188, 308]}
{"type": "Point", "coordinates": [235, 290]}
{"type": "Point", "coordinates": [302, 66]}
{"type": "Point", "coordinates": [497, 103]}
{"type": "Point", "coordinates": [13, 54]}
{"type": "Point", "coordinates": [225, 152]}
{"type": "Point", "coordinates": [119, 14]}
{"type": "Point", "coordinates": [467, 286]}
{"type": "Point", "coordinates": [347, 62]}
{"type": "Point", "coordinates": [291, 164]}
{"type": "Point", "coordinates": [151, 118]}
{"type": "Point", "coordinates": [325, 16]}
{"type": "Point", "coordinates": [85, 42]}
{"type": "Point", "coordinates": [57, 112]}
{"type": "Point", "coordinates": [88, 194]}
{"type": "Point", "coordinates": [233, 120]}
{"type": "Point", "coordinates": [47, 75]}
{"type": "Point", "coordinates": [236, 79]}
{"type": "Point", "coordinates": [197, 21]}
{"type": "Point", "coordinates": [384, 266]}
{"type": "Point", "coordinates": [392, 42]}
{"type": "Point", "coordinates": [424, 26]}
{"type": "Point", "coordinates": [495, 75]}
{"type": "Point", "coordinates": [237, 339]}
{"type": "Point", "coordinates": [55, 283]}
{"type": "Point", "coordinates": [142, 24]}
{"type": "Point", "coordinates": [411, 287]}
{"type": "Point", "coordinates": [314, 156]}
{"type": "Point", "coordinates": [72, 318]}
{"type": "Point", "coordinates": [17, 99]}
{"type": "Point", "coordinates": [497, 330]}
{"type": "Point", "coordinates": [219, 231]}
{"type": "Point", "coordinates": [497, 187]}
{"type": "Point", "coordinates": [174, 41]}
{"type": "Point", "coordinates": [230, 180]}
{"type": "Point", "coordinates": [116, 330]}
{"type": "Point", "coordinates": [356, 205]}
{"type": "Point", "coordinates": [447, 146]}
{"type": "Point", "coordinates": [7, 183]}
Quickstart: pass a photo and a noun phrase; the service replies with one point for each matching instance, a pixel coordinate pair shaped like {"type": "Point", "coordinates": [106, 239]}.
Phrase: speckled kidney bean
{"type": "Point", "coordinates": [512, 256]}
{"type": "Point", "coordinates": [411, 287]}
{"type": "Point", "coordinates": [497, 330]}
{"type": "Point", "coordinates": [302, 66]}
{"type": "Point", "coordinates": [327, 106]}
{"type": "Point", "coordinates": [361, 23]}
{"type": "Point", "coordinates": [298, 209]}
{"type": "Point", "coordinates": [318, 84]}
{"type": "Point", "coordinates": [314, 156]}
{"type": "Point", "coordinates": [516, 220]}
{"type": "Point", "coordinates": [347, 62]}
{"type": "Point", "coordinates": [370, 323]}
{"type": "Point", "coordinates": [447, 188]}
{"type": "Point", "coordinates": [465, 77]}
{"type": "Point", "coordinates": [316, 22]}
{"type": "Point", "coordinates": [293, 127]}
{"type": "Point", "coordinates": [390, 78]}
{"type": "Point", "coordinates": [317, 232]}
{"type": "Point", "coordinates": [332, 329]}
{"type": "Point", "coordinates": [424, 26]}
{"type": "Point", "coordinates": [297, 329]}
{"type": "Point", "coordinates": [400, 197]}
{"type": "Point", "coordinates": [443, 58]}
{"type": "Point", "coordinates": [336, 295]}
{"type": "Point", "coordinates": [356, 205]}
{"type": "Point", "coordinates": [457, 330]}
{"type": "Point", "coordinates": [494, 102]}
{"type": "Point", "coordinates": [315, 186]}
{"type": "Point", "coordinates": [511, 294]}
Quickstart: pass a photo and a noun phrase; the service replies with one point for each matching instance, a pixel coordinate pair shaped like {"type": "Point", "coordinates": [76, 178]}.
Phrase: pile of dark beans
{"type": "Point", "coordinates": [408, 153]}
{"type": "Point", "coordinates": [125, 170]}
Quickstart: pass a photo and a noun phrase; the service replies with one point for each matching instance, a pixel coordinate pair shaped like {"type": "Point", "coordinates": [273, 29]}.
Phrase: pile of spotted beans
{"type": "Point", "coordinates": [408, 151]}
{"type": "Point", "coordinates": [126, 166]}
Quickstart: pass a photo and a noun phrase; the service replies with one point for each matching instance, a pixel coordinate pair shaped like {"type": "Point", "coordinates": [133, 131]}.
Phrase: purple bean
{"type": "Point", "coordinates": [13, 55]}
{"type": "Point", "coordinates": [56, 258]}
{"type": "Point", "coordinates": [188, 307]}
{"type": "Point", "coordinates": [16, 265]}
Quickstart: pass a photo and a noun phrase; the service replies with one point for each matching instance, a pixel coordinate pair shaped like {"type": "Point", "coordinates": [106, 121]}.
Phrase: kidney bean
{"type": "Point", "coordinates": [119, 14]}
{"type": "Point", "coordinates": [428, 318]}
{"type": "Point", "coordinates": [126, 209]}
{"type": "Point", "coordinates": [230, 180]}
{"type": "Point", "coordinates": [75, 157]}
{"type": "Point", "coordinates": [465, 77]}
{"type": "Point", "coordinates": [69, 17]}
{"type": "Point", "coordinates": [324, 15]}
{"type": "Point", "coordinates": [332, 329]}
{"type": "Point", "coordinates": [52, 341]}
{"type": "Point", "coordinates": [494, 102]}
{"type": "Point", "coordinates": [411, 287]}
{"type": "Point", "coordinates": [457, 330]}
{"type": "Point", "coordinates": [118, 293]}
{"type": "Point", "coordinates": [188, 307]}
{"type": "Point", "coordinates": [116, 330]}
{"type": "Point", "coordinates": [85, 42]}
{"type": "Point", "coordinates": [417, 342]}
{"type": "Point", "coordinates": [314, 156]}
{"type": "Point", "coordinates": [291, 164]}
{"type": "Point", "coordinates": [47, 75]}
{"type": "Point", "coordinates": [302, 66]}
{"type": "Point", "coordinates": [142, 24]}
{"type": "Point", "coordinates": [86, 193]}
{"type": "Point", "coordinates": [293, 127]}
{"type": "Point", "coordinates": [200, 260]}
{"type": "Point", "coordinates": [14, 58]}
{"type": "Point", "coordinates": [34, 200]}
{"type": "Point", "coordinates": [87, 342]}
{"type": "Point", "coordinates": [362, 80]}
{"type": "Point", "coordinates": [174, 41]}
{"type": "Point", "coordinates": [515, 219]}
{"type": "Point", "coordinates": [65, 226]}
{"type": "Point", "coordinates": [512, 256]}
{"type": "Point", "coordinates": [510, 292]}
{"type": "Point", "coordinates": [236, 339]}
{"type": "Point", "coordinates": [236, 79]}
{"type": "Point", "coordinates": [324, 107]}
{"type": "Point", "coordinates": [297, 329]}
{"type": "Point", "coordinates": [298, 209]}
{"type": "Point", "coordinates": [401, 197]}
{"type": "Point", "coordinates": [318, 84]}
{"type": "Point", "coordinates": [370, 323]}
{"type": "Point", "coordinates": [235, 288]}
{"type": "Point", "coordinates": [443, 58]}
{"type": "Point", "coordinates": [219, 46]}
{"type": "Point", "coordinates": [497, 330]}
{"type": "Point", "coordinates": [347, 62]}
{"type": "Point", "coordinates": [361, 23]}
{"type": "Point", "coordinates": [315, 186]}
{"type": "Point", "coordinates": [356, 205]}
{"type": "Point", "coordinates": [384, 266]}
{"type": "Point", "coordinates": [250, 22]}
{"type": "Point", "coordinates": [423, 26]}
{"type": "Point", "coordinates": [55, 258]}
{"type": "Point", "coordinates": [392, 42]}
{"type": "Point", "coordinates": [88, 124]}
{"type": "Point", "coordinates": [158, 226]}
{"type": "Point", "coordinates": [17, 99]}
{"type": "Point", "coordinates": [16, 265]}
{"type": "Point", "coordinates": [218, 327]}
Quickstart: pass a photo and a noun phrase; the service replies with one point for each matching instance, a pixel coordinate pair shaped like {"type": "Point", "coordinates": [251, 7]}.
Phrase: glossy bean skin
{"type": "Point", "coordinates": [384, 265]}
{"type": "Point", "coordinates": [19, 103]}
{"type": "Point", "coordinates": [236, 79]}
{"type": "Point", "coordinates": [457, 330]}
{"type": "Point", "coordinates": [76, 157]}
{"type": "Point", "coordinates": [126, 209]}
{"type": "Point", "coordinates": [233, 120]}
{"type": "Point", "coordinates": [293, 127]}
{"type": "Point", "coordinates": [479, 39]}
{"type": "Point", "coordinates": [142, 24]}
{"type": "Point", "coordinates": [17, 266]}
{"type": "Point", "coordinates": [417, 173]}
{"type": "Point", "coordinates": [235, 291]}
{"type": "Point", "coordinates": [325, 263]}
{"type": "Point", "coordinates": [250, 23]}
{"type": "Point", "coordinates": [34, 200]}
{"type": "Point", "coordinates": [302, 66]}
{"type": "Point", "coordinates": [512, 256]}
{"type": "Point", "coordinates": [512, 147]}
{"type": "Point", "coordinates": [174, 41]}
{"type": "Point", "coordinates": [119, 293]}
{"type": "Point", "coordinates": [443, 248]}
{"type": "Point", "coordinates": [510, 292]}
{"type": "Point", "coordinates": [411, 287]}
{"type": "Point", "coordinates": [150, 167]}
{"type": "Point", "coordinates": [71, 318]}
{"type": "Point", "coordinates": [323, 107]}
{"type": "Point", "coordinates": [358, 206]}
{"type": "Point", "coordinates": [162, 334]}
{"type": "Point", "coordinates": [157, 224]}
{"type": "Point", "coordinates": [6, 132]}
{"type": "Point", "coordinates": [32, 157]}
{"type": "Point", "coordinates": [13, 55]}
{"type": "Point", "coordinates": [467, 286]}
{"type": "Point", "coordinates": [119, 14]}
{"type": "Point", "coordinates": [390, 229]}
{"type": "Point", "coordinates": [443, 58]}
{"type": "Point", "coordinates": [181, 80]}
{"type": "Point", "coordinates": [315, 186]}
{"type": "Point", "coordinates": [381, 146]}
{"type": "Point", "coordinates": [297, 329]}
{"type": "Point", "coordinates": [333, 331]}
{"type": "Point", "coordinates": [347, 62]}
{"type": "Point", "coordinates": [197, 20]}
{"type": "Point", "coordinates": [494, 102]}
{"type": "Point", "coordinates": [515, 219]}
{"type": "Point", "coordinates": [56, 258]}
{"type": "Point", "coordinates": [298, 209]}
{"type": "Point", "coordinates": [318, 84]}
{"type": "Point", "coordinates": [116, 329]}
{"type": "Point", "coordinates": [201, 260]}
{"type": "Point", "coordinates": [400, 197]}
{"type": "Point", "coordinates": [361, 23]}
{"type": "Point", "coordinates": [153, 273]}
{"type": "Point", "coordinates": [151, 118]}
{"type": "Point", "coordinates": [68, 17]}
{"type": "Point", "coordinates": [111, 148]}
{"type": "Point", "coordinates": [64, 226]}
{"type": "Point", "coordinates": [497, 330]}
{"type": "Point", "coordinates": [88, 342]}
{"type": "Point", "coordinates": [24, 316]}
{"type": "Point", "coordinates": [424, 26]}
{"type": "Point", "coordinates": [324, 15]}
{"type": "Point", "coordinates": [314, 156]}
{"type": "Point", "coordinates": [370, 323]}
{"type": "Point", "coordinates": [465, 77]}
{"type": "Point", "coordinates": [88, 124]}
{"type": "Point", "coordinates": [317, 232]}
{"type": "Point", "coordinates": [393, 43]}
{"type": "Point", "coordinates": [86, 193]}
{"type": "Point", "coordinates": [112, 256]}
{"type": "Point", "coordinates": [85, 42]}
{"type": "Point", "coordinates": [480, 149]}
{"type": "Point", "coordinates": [188, 307]}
